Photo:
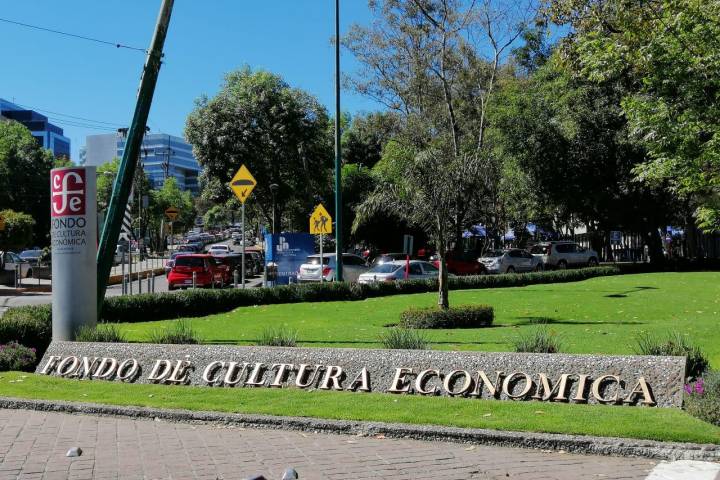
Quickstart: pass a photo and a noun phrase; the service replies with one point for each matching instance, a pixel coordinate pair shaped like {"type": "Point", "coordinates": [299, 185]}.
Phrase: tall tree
{"type": "Point", "coordinates": [436, 63]}
{"type": "Point", "coordinates": [25, 176]}
{"type": "Point", "coordinates": [279, 132]}
{"type": "Point", "coordinates": [668, 49]}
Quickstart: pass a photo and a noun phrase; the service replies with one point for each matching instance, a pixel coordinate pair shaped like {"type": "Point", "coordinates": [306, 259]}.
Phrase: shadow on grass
{"type": "Point", "coordinates": [628, 292]}
{"type": "Point", "coordinates": [555, 321]}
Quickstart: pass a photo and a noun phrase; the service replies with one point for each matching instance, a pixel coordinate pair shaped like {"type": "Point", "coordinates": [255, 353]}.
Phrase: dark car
{"type": "Point", "coordinates": [233, 261]}
{"type": "Point", "coordinates": [190, 248]}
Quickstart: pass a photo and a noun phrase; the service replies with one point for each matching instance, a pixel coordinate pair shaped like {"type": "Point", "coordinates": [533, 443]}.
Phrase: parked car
{"type": "Point", "coordinates": [510, 261]}
{"type": "Point", "coordinates": [233, 261]}
{"type": "Point", "coordinates": [207, 272]}
{"type": "Point", "coordinates": [219, 248]}
{"type": "Point", "coordinates": [395, 270]}
{"type": "Point", "coordinates": [562, 255]}
{"type": "Point", "coordinates": [387, 257]}
{"type": "Point", "coordinates": [258, 260]}
{"type": "Point", "coordinates": [171, 261]}
{"type": "Point", "coordinates": [190, 248]}
{"type": "Point", "coordinates": [8, 263]}
{"type": "Point", "coordinates": [464, 263]}
{"type": "Point", "coordinates": [31, 256]}
{"type": "Point", "coordinates": [313, 270]}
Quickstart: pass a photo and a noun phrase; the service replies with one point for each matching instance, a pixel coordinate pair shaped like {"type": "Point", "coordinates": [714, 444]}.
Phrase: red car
{"type": "Point", "coordinates": [464, 263]}
{"type": "Point", "coordinates": [207, 272]}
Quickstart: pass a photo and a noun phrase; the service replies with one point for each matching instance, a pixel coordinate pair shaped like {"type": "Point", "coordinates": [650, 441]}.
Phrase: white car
{"type": "Point", "coordinates": [219, 248]}
{"type": "Point", "coordinates": [312, 270]}
{"type": "Point", "coordinates": [510, 261]}
{"type": "Point", "coordinates": [395, 270]}
{"type": "Point", "coordinates": [562, 255]}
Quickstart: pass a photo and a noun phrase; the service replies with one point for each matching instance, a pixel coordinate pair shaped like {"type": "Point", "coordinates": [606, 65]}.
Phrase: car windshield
{"type": "Point", "coordinates": [540, 249]}
{"type": "Point", "coordinates": [494, 253]}
{"type": "Point", "coordinates": [384, 268]}
{"type": "Point", "coordinates": [189, 262]}
{"type": "Point", "coordinates": [315, 260]}
{"type": "Point", "coordinates": [30, 253]}
{"type": "Point", "coordinates": [430, 268]}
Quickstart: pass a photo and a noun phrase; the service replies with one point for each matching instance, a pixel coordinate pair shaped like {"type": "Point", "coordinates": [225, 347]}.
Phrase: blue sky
{"type": "Point", "coordinates": [206, 39]}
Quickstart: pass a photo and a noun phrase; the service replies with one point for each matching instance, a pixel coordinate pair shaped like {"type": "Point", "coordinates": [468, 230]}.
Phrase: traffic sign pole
{"type": "Point", "coordinates": [242, 242]}
{"type": "Point", "coordinates": [322, 261]}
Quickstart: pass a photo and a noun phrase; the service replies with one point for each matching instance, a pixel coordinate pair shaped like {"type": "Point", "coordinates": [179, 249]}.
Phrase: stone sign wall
{"type": "Point", "coordinates": [618, 380]}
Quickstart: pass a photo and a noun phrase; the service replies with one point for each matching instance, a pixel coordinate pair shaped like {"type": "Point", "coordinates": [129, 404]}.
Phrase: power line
{"type": "Point", "coordinates": [82, 37]}
{"type": "Point", "coordinates": [29, 107]}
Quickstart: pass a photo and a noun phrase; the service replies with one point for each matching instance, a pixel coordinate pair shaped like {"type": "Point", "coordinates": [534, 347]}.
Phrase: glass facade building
{"type": "Point", "coordinates": [49, 136]}
{"type": "Point", "coordinates": [162, 156]}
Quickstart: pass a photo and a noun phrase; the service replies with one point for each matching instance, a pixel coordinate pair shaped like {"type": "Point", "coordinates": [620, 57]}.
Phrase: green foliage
{"type": "Point", "coordinates": [197, 303]}
{"type": "Point", "coordinates": [18, 231]}
{"type": "Point", "coordinates": [539, 340]}
{"type": "Point", "coordinates": [675, 344]}
{"type": "Point", "coordinates": [24, 176]}
{"type": "Point", "coordinates": [29, 325]}
{"type": "Point", "coordinates": [705, 404]}
{"type": "Point", "coordinates": [14, 356]}
{"type": "Point", "coordinates": [403, 339]}
{"type": "Point", "coordinates": [104, 332]}
{"type": "Point", "coordinates": [278, 337]}
{"type": "Point", "coordinates": [465, 316]}
{"type": "Point", "coordinates": [179, 332]}
{"type": "Point", "coordinates": [280, 133]}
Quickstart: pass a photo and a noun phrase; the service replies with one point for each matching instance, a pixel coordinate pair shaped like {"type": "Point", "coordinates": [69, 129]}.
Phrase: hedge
{"type": "Point", "coordinates": [198, 303]}
{"type": "Point", "coordinates": [463, 316]}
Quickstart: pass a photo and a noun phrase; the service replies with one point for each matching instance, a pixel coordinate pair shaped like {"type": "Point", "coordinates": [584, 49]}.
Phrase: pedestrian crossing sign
{"type": "Point", "coordinates": [320, 221]}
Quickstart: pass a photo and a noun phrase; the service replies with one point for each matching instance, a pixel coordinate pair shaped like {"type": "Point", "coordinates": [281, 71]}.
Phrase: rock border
{"type": "Point", "coordinates": [583, 444]}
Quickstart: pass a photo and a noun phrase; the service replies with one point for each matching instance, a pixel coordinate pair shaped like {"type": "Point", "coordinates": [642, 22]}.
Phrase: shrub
{"type": "Point", "coordinates": [278, 337]}
{"type": "Point", "coordinates": [180, 332]}
{"type": "Point", "coordinates": [14, 356]}
{"type": "Point", "coordinates": [29, 325]}
{"type": "Point", "coordinates": [702, 398]}
{"type": "Point", "coordinates": [466, 316]}
{"type": "Point", "coordinates": [404, 339]}
{"type": "Point", "coordinates": [200, 302]}
{"type": "Point", "coordinates": [678, 345]}
{"type": "Point", "coordinates": [105, 332]}
{"type": "Point", "coordinates": [539, 340]}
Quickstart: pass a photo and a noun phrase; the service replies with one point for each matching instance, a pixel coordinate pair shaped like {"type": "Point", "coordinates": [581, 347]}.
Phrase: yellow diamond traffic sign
{"type": "Point", "coordinates": [243, 183]}
{"type": "Point", "coordinates": [172, 213]}
{"type": "Point", "coordinates": [320, 221]}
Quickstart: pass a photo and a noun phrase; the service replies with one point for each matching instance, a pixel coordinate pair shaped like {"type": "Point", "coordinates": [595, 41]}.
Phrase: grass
{"type": "Point", "coordinates": [664, 424]}
{"type": "Point", "coordinates": [600, 315]}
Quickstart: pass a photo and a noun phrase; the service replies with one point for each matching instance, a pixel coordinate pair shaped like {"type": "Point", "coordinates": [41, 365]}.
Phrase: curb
{"type": "Point", "coordinates": [583, 444]}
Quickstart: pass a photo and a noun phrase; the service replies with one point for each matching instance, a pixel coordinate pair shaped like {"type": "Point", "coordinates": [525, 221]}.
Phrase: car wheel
{"type": "Point", "coordinates": [592, 262]}
{"type": "Point", "coordinates": [539, 267]}
{"type": "Point", "coordinates": [510, 269]}
{"type": "Point", "coordinates": [562, 265]}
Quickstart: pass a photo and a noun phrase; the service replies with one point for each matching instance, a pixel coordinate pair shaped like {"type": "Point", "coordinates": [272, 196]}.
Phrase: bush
{"type": "Point", "coordinates": [466, 316]}
{"type": "Point", "coordinates": [105, 332]}
{"type": "Point", "coordinates": [199, 302]}
{"type": "Point", "coordinates": [14, 356]}
{"type": "Point", "coordinates": [702, 399]}
{"type": "Point", "coordinates": [180, 332]}
{"type": "Point", "coordinates": [676, 345]}
{"type": "Point", "coordinates": [278, 337]}
{"type": "Point", "coordinates": [404, 339]}
{"type": "Point", "coordinates": [29, 325]}
{"type": "Point", "coordinates": [540, 340]}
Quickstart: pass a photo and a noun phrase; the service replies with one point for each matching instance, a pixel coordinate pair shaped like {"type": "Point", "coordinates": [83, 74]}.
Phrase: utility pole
{"type": "Point", "coordinates": [126, 171]}
{"type": "Point", "coordinates": [338, 166]}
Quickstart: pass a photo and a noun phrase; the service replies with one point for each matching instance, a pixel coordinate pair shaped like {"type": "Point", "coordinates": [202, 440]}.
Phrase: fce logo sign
{"type": "Point", "coordinates": [68, 192]}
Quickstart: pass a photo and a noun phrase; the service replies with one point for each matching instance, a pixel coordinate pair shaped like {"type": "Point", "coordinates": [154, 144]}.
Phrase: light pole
{"type": "Point", "coordinates": [338, 170]}
{"type": "Point", "coordinates": [273, 189]}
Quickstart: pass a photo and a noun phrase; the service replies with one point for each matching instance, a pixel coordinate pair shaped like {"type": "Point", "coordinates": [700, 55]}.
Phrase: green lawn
{"type": "Point", "coordinates": [600, 315]}
{"type": "Point", "coordinates": [664, 424]}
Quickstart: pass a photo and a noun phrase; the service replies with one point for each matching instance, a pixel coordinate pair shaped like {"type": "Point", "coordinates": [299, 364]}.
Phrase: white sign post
{"type": "Point", "coordinates": [73, 239]}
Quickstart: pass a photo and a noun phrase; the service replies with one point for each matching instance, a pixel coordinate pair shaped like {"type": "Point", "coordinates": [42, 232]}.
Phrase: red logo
{"type": "Point", "coordinates": [68, 192]}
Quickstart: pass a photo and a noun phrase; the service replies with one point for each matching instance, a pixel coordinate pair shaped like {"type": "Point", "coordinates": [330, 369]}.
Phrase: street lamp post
{"type": "Point", "coordinates": [273, 189]}
{"type": "Point", "coordinates": [338, 170]}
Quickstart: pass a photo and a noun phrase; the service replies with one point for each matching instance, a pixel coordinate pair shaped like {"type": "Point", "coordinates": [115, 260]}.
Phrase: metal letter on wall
{"type": "Point", "coordinates": [73, 239]}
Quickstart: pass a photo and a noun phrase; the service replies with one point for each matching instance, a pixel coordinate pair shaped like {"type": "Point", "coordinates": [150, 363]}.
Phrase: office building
{"type": "Point", "coordinates": [161, 155]}
{"type": "Point", "coordinates": [49, 136]}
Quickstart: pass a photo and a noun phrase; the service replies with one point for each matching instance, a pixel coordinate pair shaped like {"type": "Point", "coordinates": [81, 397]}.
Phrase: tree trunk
{"type": "Point", "coordinates": [443, 295]}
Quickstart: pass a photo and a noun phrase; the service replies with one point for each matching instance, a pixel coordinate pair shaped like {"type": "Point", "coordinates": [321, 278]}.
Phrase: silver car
{"type": "Point", "coordinates": [563, 254]}
{"type": "Point", "coordinates": [510, 261]}
{"type": "Point", "coordinates": [312, 270]}
{"type": "Point", "coordinates": [395, 270]}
